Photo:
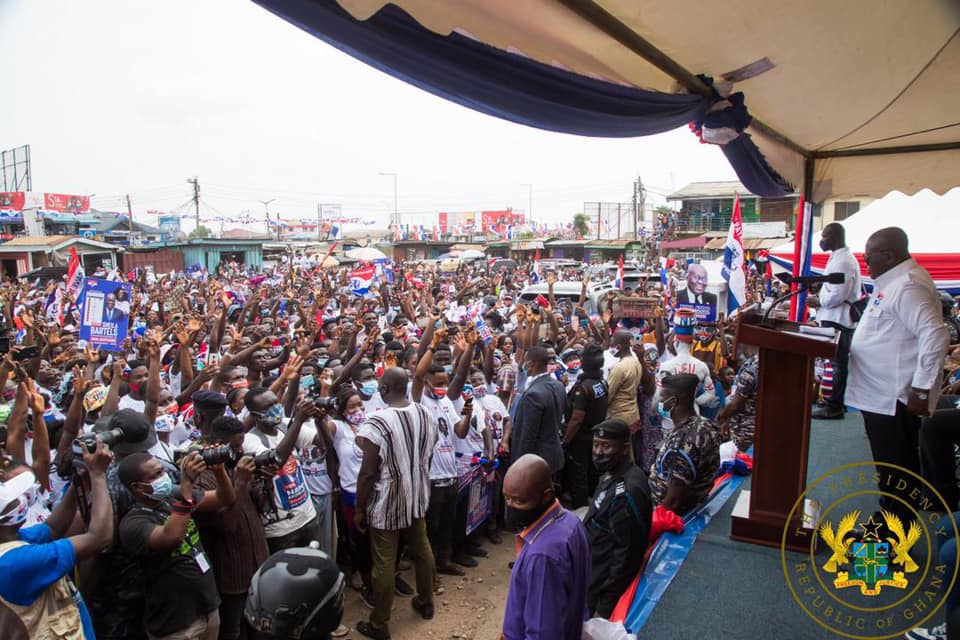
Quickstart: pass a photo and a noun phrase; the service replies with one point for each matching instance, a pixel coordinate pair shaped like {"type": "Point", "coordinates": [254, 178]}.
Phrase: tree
{"type": "Point", "coordinates": [200, 233]}
{"type": "Point", "coordinates": [581, 225]}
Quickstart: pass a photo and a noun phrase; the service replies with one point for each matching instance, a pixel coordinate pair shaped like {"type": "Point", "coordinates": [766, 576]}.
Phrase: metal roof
{"type": "Point", "coordinates": [717, 189]}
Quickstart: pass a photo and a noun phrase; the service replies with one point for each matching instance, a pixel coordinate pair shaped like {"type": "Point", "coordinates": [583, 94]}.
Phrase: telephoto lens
{"type": "Point", "coordinates": [220, 454]}
{"type": "Point", "coordinates": [265, 458]}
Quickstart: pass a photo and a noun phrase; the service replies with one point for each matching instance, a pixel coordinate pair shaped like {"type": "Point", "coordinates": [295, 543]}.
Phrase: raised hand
{"type": "Point", "coordinates": [292, 368]}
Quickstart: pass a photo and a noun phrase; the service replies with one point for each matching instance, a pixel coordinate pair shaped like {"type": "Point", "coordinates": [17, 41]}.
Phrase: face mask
{"type": "Point", "coordinates": [480, 392]}
{"type": "Point", "coordinates": [272, 416]}
{"type": "Point", "coordinates": [662, 410]}
{"type": "Point", "coordinates": [161, 488]}
{"type": "Point", "coordinates": [369, 388]}
{"type": "Point", "coordinates": [321, 363]}
{"type": "Point", "coordinates": [519, 519]}
{"type": "Point", "coordinates": [165, 423]}
{"type": "Point", "coordinates": [603, 463]}
{"type": "Point", "coordinates": [238, 384]}
{"type": "Point", "coordinates": [356, 419]}
{"type": "Point", "coordinates": [438, 392]}
{"type": "Point", "coordinates": [306, 382]}
{"type": "Point", "coordinates": [135, 387]}
{"type": "Point", "coordinates": [448, 369]}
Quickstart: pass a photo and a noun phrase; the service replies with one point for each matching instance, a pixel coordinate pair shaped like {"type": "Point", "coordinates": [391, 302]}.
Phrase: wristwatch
{"type": "Point", "coordinates": [921, 394]}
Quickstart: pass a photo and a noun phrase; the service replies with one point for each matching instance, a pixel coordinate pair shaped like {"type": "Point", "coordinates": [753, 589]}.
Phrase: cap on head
{"type": "Point", "coordinates": [612, 430]}
{"type": "Point", "coordinates": [684, 320]}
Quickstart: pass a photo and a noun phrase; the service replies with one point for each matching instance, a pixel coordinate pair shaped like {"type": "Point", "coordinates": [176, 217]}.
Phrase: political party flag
{"type": "Point", "coordinates": [361, 278]}
{"type": "Point", "coordinates": [619, 282]}
{"type": "Point", "coordinates": [734, 271]}
{"type": "Point", "coordinates": [801, 258]}
{"type": "Point", "coordinates": [535, 274]}
{"type": "Point", "coordinates": [75, 274]}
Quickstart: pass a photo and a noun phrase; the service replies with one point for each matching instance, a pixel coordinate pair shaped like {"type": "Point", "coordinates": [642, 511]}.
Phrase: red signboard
{"type": "Point", "coordinates": [12, 200]}
{"type": "Point", "coordinates": [498, 219]}
{"type": "Point", "coordinates": [443, 222]}
{"type": "Point", "coordinates": [66, 203]}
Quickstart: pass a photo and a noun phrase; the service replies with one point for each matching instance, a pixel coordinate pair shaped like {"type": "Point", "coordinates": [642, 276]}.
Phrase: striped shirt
{"type": "Point", "coordinates": [405, 438]}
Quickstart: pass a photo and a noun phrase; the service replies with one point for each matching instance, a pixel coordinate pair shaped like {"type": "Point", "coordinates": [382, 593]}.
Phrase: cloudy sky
{"type": "Point", "coordinates": [120, 97]}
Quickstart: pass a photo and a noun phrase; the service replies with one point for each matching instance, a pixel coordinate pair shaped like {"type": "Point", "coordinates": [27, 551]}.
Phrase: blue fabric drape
{"type": "Point", "coordinates": [511, 87]}
{"type": "Point", "coordinates": [490, 80]}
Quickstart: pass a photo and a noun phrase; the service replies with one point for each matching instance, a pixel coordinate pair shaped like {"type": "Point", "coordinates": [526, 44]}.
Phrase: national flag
{"type": "Point", "coordinates": [618, 284]}
{"type": "Point", "coordinates": [803, 240]}
{"type": "Point", "coordinates": [535, 273]}
{"type": "Point", "coordinates": [75, 277]}
{"type": "Point", "coordinates": [734, 271]}
{"type": "Point", "coordinates": [361, 278]}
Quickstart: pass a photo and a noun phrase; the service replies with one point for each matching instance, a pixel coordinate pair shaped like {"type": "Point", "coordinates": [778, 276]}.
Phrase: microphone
{"type": "Point", "coordinates": [829, 278]}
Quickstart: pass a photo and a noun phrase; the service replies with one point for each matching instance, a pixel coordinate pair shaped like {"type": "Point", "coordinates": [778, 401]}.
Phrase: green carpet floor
{"type": "Point", "coordinates": [729, 590]}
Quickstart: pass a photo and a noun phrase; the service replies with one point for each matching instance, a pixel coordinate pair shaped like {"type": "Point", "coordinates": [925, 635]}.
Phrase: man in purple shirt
{"type": "Point", "coordinates": [548, 588]}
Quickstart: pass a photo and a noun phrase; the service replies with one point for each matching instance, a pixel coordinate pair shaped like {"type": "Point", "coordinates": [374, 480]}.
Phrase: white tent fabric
{"type": "Point", "coordinates": [846, 76]}
{"type": "Point", "coordinates": [932, 222]}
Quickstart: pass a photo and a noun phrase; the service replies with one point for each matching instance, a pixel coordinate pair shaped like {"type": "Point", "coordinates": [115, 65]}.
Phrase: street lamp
{"type": "Point", "coordinates": [266, 212]}
{"type": "Point", "coordinates": [396, 201]}
{"type": "Point", "coordinates": [529, 201]}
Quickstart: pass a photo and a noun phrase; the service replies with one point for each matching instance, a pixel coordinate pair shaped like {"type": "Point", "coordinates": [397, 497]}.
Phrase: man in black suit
{"type": "Point", "coordinates": [696, 291]}
{"type": "Point", "coordinates": [110, 312]}
{"type": "Point", "coordinates": [538, 414]}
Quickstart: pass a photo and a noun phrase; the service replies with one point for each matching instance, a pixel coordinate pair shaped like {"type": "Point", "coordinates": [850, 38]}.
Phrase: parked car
{"type": "Point", "coordinates": [569, 291]}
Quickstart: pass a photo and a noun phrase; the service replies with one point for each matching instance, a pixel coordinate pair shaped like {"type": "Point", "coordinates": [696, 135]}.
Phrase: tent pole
{"type": "Point", "coordinates": [622, 33]}
{"type": "Point", "coordinates": [808, 168]}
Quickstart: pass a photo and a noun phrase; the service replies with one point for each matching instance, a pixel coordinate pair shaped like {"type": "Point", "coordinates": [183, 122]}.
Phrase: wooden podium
{"type": "Point", "coordinates": [782, 436]}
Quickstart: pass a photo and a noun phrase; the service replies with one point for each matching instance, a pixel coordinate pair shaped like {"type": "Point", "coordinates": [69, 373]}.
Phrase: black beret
{"type": "Point", "coordinates": [612, 430]}
{"type": "Point", "coordinates": [206, 399]}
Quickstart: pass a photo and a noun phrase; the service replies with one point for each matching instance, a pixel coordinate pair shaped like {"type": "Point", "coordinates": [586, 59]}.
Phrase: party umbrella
{"type": "Point", "coordinates": [366, 253]}
{"type": "Point", "coordinates": [472, 254]}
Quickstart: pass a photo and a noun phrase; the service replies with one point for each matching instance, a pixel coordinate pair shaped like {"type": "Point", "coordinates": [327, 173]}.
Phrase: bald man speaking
{"type": "Point", "coordinates": [548, 586]}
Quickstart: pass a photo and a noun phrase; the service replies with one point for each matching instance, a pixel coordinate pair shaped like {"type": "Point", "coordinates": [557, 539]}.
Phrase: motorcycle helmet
{"type": "Point", "coordinates": [296, 594]}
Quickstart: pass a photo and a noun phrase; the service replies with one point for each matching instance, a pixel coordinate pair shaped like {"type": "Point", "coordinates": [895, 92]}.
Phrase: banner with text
{"type": "Point", "coordinates": [105, 317]}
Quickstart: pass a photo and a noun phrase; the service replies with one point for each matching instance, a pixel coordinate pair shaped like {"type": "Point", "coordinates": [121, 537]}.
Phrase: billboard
{"type": "Point", "coordinates": [462, 222]}
{"type": "Point", "coordinates": [169, 226]}
{"type": "Point", "coordinates": [15, 169]}
{"type": "Point", "coordinates": [62, 203]}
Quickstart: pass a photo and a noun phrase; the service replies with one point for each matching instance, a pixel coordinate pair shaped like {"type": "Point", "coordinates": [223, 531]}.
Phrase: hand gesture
{"type": "Point", "coordinates": [293, 367]}
{"type": "Point", "coordinates": [440, 335]}
{"type": "Point", "coordinates": [38, 404]}
{"type": "Point", "coordinates": [551, 279]}
{"type": "Point", "coordinates": [472, 336]}
{"type": "Point", "coordinates": [53, 337]}
{"type": "Point", "coordinates": [195, 323]}
{"type": "Point", "coordinates": [266, 342]}
{"type": "Point", "coordinates": [81, 384]}
{"type": "Point", "coordinates": [26, 316]}
{"type": "Point", "coordinates": [208, 373]}
{"type": "Point", "coordinates": [305, 409]}
{"type": "Point", "coordinates": [460, 343]}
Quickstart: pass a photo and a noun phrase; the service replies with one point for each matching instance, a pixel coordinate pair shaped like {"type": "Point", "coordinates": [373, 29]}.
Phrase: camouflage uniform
{"type": "Point", "coordinates": [744, 423]}
{"type": "Point", "coordinates": [690, 452]}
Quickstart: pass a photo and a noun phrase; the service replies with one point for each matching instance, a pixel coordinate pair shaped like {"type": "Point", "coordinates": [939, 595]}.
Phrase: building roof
{"type": "Point", "coordinates": [242, 234]}
{"type": "Point", "coordinates": [109, 221]}
{"type": "Point", "coordinates": [749, 244]}
{"type": "Point", "coordinates": [696, 242]}
{"type": "Point", "coordinates": [51, 243]}
{"type": "Point", "coordinates": [717, 189]}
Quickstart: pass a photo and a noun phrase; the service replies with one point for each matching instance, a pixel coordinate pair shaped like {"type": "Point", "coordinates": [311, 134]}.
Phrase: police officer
{"type": "Point", "coordinates": [586, 407]}
{"type": "Point", "coordinates": [618, 520]}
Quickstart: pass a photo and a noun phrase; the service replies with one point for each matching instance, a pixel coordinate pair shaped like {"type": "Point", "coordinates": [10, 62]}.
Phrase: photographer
{"type": "Point", "coordinates": [234, 538]}
{"type": "Point", "coordinates": [181, 592]}
{"type": "Point", "coordinates": [36, 561]}
{"type": "Point", "coordinates": [290, 519]}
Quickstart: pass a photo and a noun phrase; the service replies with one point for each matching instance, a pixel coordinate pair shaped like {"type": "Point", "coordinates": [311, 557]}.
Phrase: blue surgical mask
{"type": "Point", "coordinates": [162, 487]}
{"type": "Point", "coordinates": [321, 363]}
{"type": "Point", "coordinates": [448, 368]}
{"type": "Point", "coordinates": [369, 388]}
{"type": "Point", "coordinates": [663, 411]}
{"type": "Point", "coordinates": [306, 382]}
{"type": "Point", "coordinates": [272, 416]}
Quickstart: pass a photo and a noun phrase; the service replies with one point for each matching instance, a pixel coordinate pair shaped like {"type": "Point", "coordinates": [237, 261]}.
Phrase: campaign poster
{"type": "Point", "coordinates": [63, 203]}
{"type": "Point", "coordinates": [479, 502]}
{"type": "Point", "coordinates": [705, 312]}
{"type": "Point", "coordinates": [104, 319]}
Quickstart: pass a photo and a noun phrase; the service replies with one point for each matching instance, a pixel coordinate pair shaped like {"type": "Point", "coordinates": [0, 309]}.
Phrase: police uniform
{"type": "Point", "coordinates": [744, 423]}
{"type": "Point", "coordinates": [618, 527]}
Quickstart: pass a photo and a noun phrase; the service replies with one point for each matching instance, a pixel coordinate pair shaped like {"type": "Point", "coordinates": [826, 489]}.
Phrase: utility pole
{"type": "Point", "coordinates": [319, 221]}
{"type": "Point", "coordinates": [129, 213]}
{"type": "Point", "coordinates": [196, 197]}
{"type": "Point", "coordinates": [639, 202]}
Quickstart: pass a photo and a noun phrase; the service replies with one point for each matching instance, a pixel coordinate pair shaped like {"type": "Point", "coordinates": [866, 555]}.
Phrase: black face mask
{"type": "Point", "coordinates": [604, 463]}
{"type": "Point", "coordinates": [520, 519]}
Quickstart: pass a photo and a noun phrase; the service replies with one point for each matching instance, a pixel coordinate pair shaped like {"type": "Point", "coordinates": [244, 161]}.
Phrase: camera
{"type": "Point", "coordinates": [217, 454]}
{"type": "Point", "coordinates": [89, 440]}
{"type": "Point", "coordinates": [324, 402]}
{"type": "Point", "coordinates": [265, 458]}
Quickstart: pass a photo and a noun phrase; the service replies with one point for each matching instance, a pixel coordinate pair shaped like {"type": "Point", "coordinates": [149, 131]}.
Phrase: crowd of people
{"type": "Point", "coordinates": [143, 491]}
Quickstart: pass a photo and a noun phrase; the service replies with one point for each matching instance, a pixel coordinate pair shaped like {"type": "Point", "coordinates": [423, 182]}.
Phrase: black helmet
{"type": "Point", "coordinates": [297, 594]}
{"type": "Point", "coordinates": [946, 304]}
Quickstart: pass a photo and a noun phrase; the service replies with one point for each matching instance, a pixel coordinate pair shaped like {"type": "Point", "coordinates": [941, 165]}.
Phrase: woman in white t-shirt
{"type": "Point", "coordinates": [342, 428]}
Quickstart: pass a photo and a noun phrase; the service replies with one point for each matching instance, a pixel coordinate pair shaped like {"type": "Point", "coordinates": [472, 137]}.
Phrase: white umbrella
{"type": "Point", "coordinates": [366, 253]}
{"type": "Point", "coordinates": [472, 254]}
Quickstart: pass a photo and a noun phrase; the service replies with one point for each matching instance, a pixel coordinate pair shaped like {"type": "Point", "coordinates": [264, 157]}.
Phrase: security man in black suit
{"type": "Point", "coordinates": [538, 415]}
{"type": "Point", "coordinates": [618, 520]}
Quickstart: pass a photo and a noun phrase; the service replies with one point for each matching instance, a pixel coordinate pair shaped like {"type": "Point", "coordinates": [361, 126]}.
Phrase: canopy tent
{"type": "Point", "coordinates": [848, 99]}
{"type": "Point", "coordinates": [932, 224]}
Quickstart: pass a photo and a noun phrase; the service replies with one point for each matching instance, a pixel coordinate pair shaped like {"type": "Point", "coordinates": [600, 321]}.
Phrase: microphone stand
{"type": "Point", "coordinates": [766, 314]}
